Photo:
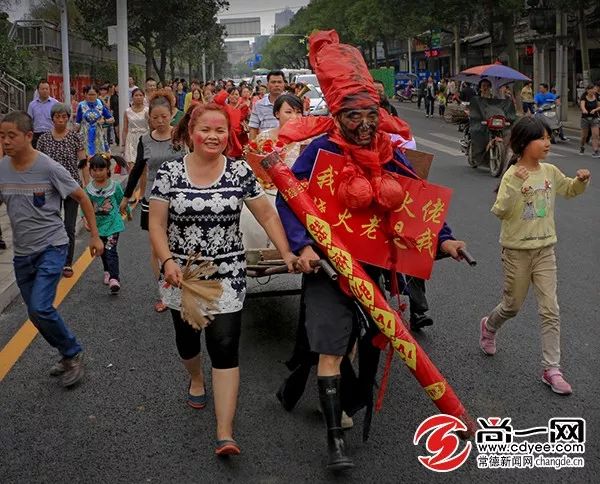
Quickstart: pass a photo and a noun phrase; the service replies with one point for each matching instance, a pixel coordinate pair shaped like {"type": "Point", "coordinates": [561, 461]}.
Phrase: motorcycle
{"type": "Point", "coordinates": [548, 113]}
{"type": "Point", "coordinates": [408, 94]}
{"type": "Point", "coordinates": [486, 138]}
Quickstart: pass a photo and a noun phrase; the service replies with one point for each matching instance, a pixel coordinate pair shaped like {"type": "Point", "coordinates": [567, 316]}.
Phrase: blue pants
{"type": "Point", "coordinates": [37, 276]}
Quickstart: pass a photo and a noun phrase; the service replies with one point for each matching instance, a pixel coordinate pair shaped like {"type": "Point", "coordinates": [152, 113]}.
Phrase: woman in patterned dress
{"type": "Point", "coordinates": [135, 125]}
{"type": "Point", "coordinates": [195, 206]}
{"type": "Point", "coordinates": [66, 148]}
{"type": "Point", "coordinates": [91, 115]}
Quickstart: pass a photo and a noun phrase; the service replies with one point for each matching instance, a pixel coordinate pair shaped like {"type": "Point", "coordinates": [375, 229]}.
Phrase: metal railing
{"type": "Point", "coordinates": [46, 36]}
{"type": "Point", "coordinates": [12, 94]}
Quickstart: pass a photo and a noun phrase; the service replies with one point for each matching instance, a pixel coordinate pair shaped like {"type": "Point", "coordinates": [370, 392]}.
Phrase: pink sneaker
{"type": "Point", "coordinates": [106, 279]}
{"type": "Point", "coordinates": [553, 377]}
{"type": "Point", "coordinates": [487, 339]}
{"type": "Point", "coordinates": [114, 286]}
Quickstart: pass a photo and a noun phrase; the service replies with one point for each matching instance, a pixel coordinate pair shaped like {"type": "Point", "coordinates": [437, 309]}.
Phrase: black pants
{"type": "Point", "coordinates": [416, 295]}
{"type": "Point", "coordinates": [419, 99]}
{"type": "Point", "coordinates": [70, 208]}
{"type": "Point", "coordinates": [429, 102]}
{"type": "Point", "coordinates": [442, 109]}
{"type": "Point", "coordinates": [110, 256]}
{"type": "Point", "coordinates": [222, 339]}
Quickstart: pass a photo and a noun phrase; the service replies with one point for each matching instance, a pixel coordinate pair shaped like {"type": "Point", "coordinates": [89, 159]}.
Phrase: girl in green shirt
{"type": "Point", "coordinates": [106, 195]}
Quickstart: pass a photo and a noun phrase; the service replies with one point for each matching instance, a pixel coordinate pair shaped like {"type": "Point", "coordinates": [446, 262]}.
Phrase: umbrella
{"type": "Point", "coordinates": [498, 74]}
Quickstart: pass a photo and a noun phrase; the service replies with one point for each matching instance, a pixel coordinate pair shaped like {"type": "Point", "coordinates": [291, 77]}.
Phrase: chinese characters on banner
{"type": "Point", "coordinates": [411, 231]}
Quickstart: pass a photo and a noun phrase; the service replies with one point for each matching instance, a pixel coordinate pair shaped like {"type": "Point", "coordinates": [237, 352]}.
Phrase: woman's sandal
{"type": "Point", "coordinates": [160, 307]}
{"type": "Point", "coordinates": [68, 271]}
{"type": "Point", "coordinates": [196, 401]}
{"type": "Point", "coordinates": [227, 447]}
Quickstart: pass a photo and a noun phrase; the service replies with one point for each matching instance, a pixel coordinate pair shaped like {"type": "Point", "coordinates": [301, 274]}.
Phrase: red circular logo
{"type": "Point", "coordinates": [442, 442]}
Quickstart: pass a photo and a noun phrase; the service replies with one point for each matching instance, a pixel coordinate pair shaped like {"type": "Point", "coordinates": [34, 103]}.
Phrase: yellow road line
{"type": "Point", "coordinates": [26, 334]}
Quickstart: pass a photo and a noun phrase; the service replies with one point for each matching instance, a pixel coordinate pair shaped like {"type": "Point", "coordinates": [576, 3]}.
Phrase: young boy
{"type": "Point", "coordinates": [32, 185]}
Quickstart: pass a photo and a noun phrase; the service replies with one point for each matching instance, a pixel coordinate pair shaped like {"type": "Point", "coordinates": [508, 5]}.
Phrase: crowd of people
{"type": "Point", "coordinates": [183, 147]}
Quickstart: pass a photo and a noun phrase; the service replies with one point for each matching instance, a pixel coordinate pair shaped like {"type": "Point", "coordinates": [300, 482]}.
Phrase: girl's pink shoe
{"type": "Point", "coordinates": [553, 377]}
{"type": "Point", "coordinates": [487, 338]}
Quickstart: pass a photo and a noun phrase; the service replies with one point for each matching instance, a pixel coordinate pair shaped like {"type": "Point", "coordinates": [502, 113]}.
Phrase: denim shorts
{"type": "Point", "coordinates": [590, 122]}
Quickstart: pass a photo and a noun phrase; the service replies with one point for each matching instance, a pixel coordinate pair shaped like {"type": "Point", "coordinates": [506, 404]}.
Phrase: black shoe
{"type": "Point", "coordinates": [418, 321]}
{"type": "Point", "coordinates": [581, 150]}
{"type": "Point", "coordinates": [329, 395]}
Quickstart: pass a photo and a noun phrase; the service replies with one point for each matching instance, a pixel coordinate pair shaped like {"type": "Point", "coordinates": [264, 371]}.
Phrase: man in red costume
{"type": "Point", "coordinates": [330, 322]}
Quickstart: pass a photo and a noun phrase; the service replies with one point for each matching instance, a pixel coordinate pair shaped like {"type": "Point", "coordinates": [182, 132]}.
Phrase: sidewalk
{"type": "Point", "coordinates": [8, 285]}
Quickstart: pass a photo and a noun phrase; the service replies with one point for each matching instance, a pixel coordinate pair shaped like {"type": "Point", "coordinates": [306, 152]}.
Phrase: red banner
{"type": "Point", "coordinates": [77, 83]}
{"type": "Point", "coordinates": [408, 236]}
{"type": "Point", "coordinates": [354, 278]}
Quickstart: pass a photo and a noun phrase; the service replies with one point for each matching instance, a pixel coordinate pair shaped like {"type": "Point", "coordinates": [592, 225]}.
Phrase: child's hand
{"type": "Point", "coordinates": [583, 175]}
{"type": "Point", "coordinates": [522, 173]}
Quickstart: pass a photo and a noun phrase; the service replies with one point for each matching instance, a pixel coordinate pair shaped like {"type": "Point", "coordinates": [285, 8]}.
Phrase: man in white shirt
{"type": "Point", "coordinates": [262, 116]}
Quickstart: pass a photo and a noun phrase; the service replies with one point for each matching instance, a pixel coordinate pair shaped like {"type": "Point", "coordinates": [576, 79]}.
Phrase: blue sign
{"type": "Point", "coordinates": [258, 57]}
{"type": "Point", "coordinates": [250, 63]}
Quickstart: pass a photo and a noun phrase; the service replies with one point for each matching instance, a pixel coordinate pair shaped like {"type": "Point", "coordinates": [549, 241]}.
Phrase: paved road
{"type": "Point", "coordinates": [128, 422]}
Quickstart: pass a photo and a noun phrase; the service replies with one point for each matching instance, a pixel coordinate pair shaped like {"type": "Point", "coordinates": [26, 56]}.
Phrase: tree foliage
{"type": "Point", "coordinates": [158, 27]}
{"type": "Point", "coordinates": [16, 61]}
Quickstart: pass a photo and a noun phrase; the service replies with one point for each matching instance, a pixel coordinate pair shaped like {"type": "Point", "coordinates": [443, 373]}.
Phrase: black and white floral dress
{"type": "Point", "coordinates": [206, 219]}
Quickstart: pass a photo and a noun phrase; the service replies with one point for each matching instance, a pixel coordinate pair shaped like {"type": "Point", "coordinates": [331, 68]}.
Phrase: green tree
{"type": "Point", "coordinates": [16, 61]}
{"type": "Point", "coordinates": [155, 25]}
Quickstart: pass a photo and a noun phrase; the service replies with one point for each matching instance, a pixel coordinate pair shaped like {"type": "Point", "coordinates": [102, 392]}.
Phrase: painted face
{"type": "Point", "coordinates": [234, 97]}
{"type": "Point", "coordinates": [44, 90]}
{"type": "Point", "coordinates": [359, 125]}
{"type": "Point", "coordinates": [60, 120]}
{"type": "Point", "coordinates": [13, 140]}
{"type": "Point", "coordinates": [538, 149]}
{"type": "Point", "coordinates": [210, 134]}
{"type": "Point", "coordinates": [276, 85]}
{"type": "Point", "coordinates": [160, 118]}
{"type": "Point", "coordinates": [138, 98]}
{"type": "Point", "coordinates": [287, 113]}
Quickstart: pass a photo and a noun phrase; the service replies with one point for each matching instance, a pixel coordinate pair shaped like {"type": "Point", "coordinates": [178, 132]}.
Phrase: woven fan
{"type": "Point", "coordinates": [199, 296]}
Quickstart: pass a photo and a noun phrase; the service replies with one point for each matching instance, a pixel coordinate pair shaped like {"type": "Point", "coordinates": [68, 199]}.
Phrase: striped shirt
{"type": "Point", "coordinates": [262, 115]}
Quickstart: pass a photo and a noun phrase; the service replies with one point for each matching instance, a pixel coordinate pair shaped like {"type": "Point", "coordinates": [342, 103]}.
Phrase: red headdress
{"type": "Point", "coordinates": [347, 84]}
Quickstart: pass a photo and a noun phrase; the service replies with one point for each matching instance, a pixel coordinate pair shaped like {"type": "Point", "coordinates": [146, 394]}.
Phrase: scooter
{"type": "Point", "coordinates": [407, 94]}
{"type": "Point", "coordinates": [548, 113]}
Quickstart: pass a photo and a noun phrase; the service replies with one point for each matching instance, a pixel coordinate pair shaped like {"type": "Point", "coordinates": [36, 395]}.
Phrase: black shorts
{"type": "Point", "coordinates": [144, 214]}
{"type": "Point", "coordinates": [330, 316]}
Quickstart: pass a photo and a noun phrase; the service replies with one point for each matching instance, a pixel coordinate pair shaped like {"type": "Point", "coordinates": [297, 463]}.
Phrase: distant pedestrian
{"type": "Point", "coordinates": [135, 125]}
{"type": "Point", "coordinates": [91, 115]}
{"type": "Point", "coordinates": [441, 99]}
{"type": "Point", "coordinates": [106, 196]}
{"type": "Point", "coordinates": [430, 94]}
{"type": "Point", "coordinates": [32, 185]}
{"type": "Point", "coordinates": [525, 205]}
{"type": "Point", "coordinates": [527, 99]}
{"type": "Point", "coordinates": [590, 120]}
{"type": "Point", "coordinates": [39, 110]}
{"type": "Point", "coordinates": [262, 117]}
{"type": "Point", "coordinates": [66, 148]}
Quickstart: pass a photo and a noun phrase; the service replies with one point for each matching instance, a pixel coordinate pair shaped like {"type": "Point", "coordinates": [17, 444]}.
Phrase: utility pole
{"type": "Point", "coordinates": [123, 59]}
{"type": "Point", "coordinates": [456, 50]}
{"type": "Point", "coordinates": [583, 44]}
{"type": "Point", "coordinates": [64, 40]}
{"type": "Point", "coordinates": [204, 67]}
{"type": "Point", "coordinates": [410, 56]}
{"type": "Point", "coordinates": [561, 75]}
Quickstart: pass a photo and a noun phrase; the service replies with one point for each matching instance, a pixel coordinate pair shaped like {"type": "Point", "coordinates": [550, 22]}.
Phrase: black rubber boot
{"type": "Point", "coordinates": [329, 395]}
